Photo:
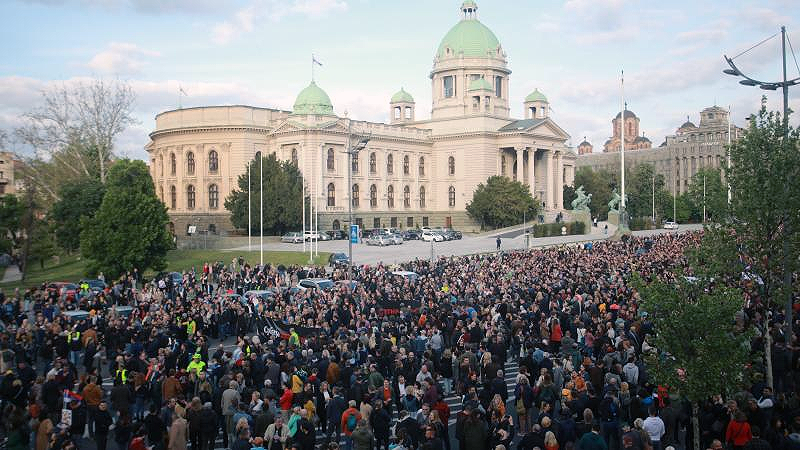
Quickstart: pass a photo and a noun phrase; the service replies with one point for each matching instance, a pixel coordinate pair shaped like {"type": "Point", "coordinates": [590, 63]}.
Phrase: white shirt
{"type": "Point", "coordinates": [654, 426]}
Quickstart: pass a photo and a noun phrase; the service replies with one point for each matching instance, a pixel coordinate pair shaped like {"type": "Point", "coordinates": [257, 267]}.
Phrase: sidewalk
{"type": "Point", "coordinates": [12, 274]}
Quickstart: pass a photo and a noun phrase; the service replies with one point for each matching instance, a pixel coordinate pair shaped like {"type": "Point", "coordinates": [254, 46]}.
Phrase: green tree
{"type": "Point", "coordinates": [695, 326]}
{"type": "Point", "coordinates": [501, 202]}
{"type": "Point", "coordinates": [130, 228]}
{"type": "Point", "coordinates": [715, 196]}
{"type": "Point", "coordinates": [642, 186]}
{"type": "Point", "coordinates": [600, 183]}
{"type": "Point", "coordinates": [77, 199]}
{"type": "Point", "coordinates": [12, 211]}
{"type": "Point", "coordinates": [282, 189]}
{"type": "Point", "coordinates": [42, 244]}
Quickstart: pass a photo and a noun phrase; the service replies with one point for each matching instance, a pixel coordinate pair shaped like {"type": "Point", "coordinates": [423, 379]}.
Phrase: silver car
{"type": "Point", "coordinates": [379, 239]}
{"type": "Point", "coordinates": [395, 239]}
{"type": "Point", "coordinates": [292, 238]}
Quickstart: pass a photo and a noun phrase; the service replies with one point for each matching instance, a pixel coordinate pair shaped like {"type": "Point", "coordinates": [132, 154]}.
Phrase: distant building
{"type": "Point", "coordinates": [632, 139]}
{"type": "Point", "coordinates": [678, 159]}
{"type": "Point", "coordinates": [585, 147]}
{"type": "Point", "coordinates": [7, 167]}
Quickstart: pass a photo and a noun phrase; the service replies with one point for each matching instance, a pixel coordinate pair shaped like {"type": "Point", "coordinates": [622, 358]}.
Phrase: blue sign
{"type": "Point", "coordinates": [354, 234]}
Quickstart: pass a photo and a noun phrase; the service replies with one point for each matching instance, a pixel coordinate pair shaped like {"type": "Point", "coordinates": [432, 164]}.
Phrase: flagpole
{"type": "Point", "coordinates": [249, 215]}
{"type": "Point", "coordinates": [730, 121]}
{"type": "Point", "coordinates": [261, 209]}
{"type": "Point", "coordinates": [622, 147]}
{"type": "Point", "coordinates": [303, 176]}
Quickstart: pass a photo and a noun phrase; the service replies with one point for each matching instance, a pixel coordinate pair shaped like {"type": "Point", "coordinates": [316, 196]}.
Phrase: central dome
{"type": "Point", "coordinates": [313, 100]}
{"type": "Point", "coordinates": [469, 37]}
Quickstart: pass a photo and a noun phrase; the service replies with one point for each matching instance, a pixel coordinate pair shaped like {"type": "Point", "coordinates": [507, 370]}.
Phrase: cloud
{"type": "Point", "coordinates": [608, 36]}
{"type": "Point", "coordinates": [763, 19]}
{"type": "Point", "coordinates": [121, 58]}
{"type": "Point", "coordinates": [151, 7]}
{"type": "Point", "coordinates": [709, 34]}
{"type": "Point", "coordinates": [604, 15]}
{"type": "Point", "coordinates": [258, 11]}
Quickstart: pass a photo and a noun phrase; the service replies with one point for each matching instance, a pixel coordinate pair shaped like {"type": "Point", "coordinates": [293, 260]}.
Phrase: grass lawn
{"type": "Point", "coordinates": [73, 268]}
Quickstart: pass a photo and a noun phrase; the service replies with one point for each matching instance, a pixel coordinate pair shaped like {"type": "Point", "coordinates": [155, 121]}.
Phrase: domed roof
{"type": "Point", "coordinates": [402, 97]}
{"type": "Point", "coordinates": [641, 139]}
{"type": "Point", "coordinates": [628, 114]}
{"type": "Point", "coordinates": [688, 124]}
{"type": "Point", "coordinates": [469, 37]}
{"type": "Point", "coordinates": [312, 100]}
{"type": "Point", "coordinates": [584, 143]}
{"type": "Point", "coordinates": [479, 84]}
{"type": "Point", "coordinates": [536, 96]}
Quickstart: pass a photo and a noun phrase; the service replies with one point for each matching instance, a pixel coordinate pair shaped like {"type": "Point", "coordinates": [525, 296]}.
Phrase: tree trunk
{"type": "Point", "coordinates": [768, 357]}
{"type": "Point", "coordinates": [696, 425]}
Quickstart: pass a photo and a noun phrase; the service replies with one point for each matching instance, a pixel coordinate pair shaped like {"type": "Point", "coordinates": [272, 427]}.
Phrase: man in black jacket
{"type": "Point", "coordinates": [499, 386]}
{"type": "Point", "coordinates": [381, 420]}
{"type": "Point", "coordinates": [155, 428]}
{"type": "Point", "coordinates": [102, 422]}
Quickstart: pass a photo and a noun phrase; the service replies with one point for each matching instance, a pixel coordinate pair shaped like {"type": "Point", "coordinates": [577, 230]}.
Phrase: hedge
{"type": "Point", "coordinates": [554, 229]}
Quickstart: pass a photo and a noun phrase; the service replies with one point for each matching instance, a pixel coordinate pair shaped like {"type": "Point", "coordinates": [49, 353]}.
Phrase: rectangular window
{"type": "Point", "coordinates": [393, 222]}
{"type": "Point", "coordinates": [425, 221]}
{"type": "Point", "coordinates": [376, 222]}
{"type": "Point", "coordinates": [449, 86]}
{"type": "Point", "coordinates": [498, 87]}
{"type": "Point", "coordinates": [474, 77]}
{"type": "Point", "coordinates": [360, 222]}
{"type": "Point", "coordinates": [409, 222]}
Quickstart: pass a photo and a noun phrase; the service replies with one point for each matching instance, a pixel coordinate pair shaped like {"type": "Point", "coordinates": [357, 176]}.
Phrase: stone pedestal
{"type": "Point", "coordinates": [613, 217]}
{"type": "Point", "coordinates": [582, 216]}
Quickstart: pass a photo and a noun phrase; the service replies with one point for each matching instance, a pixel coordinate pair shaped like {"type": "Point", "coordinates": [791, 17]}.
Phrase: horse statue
{"type": "Point", "coordinates": [581, 202]}
{"type": "Point", "coordinates": [615, 200]}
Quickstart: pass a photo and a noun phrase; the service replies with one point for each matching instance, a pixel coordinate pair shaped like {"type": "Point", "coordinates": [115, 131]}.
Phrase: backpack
{"type": "Point", "coordinates": [351, 422]}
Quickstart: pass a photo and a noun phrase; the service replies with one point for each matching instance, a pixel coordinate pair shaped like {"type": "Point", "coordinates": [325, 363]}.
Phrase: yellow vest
{"type": "Point", "coordinates": [197, 366]}
{"type": "Point", "coordinates": [73, 337]}
{"type": "Point", "coordinates": [123, 374]}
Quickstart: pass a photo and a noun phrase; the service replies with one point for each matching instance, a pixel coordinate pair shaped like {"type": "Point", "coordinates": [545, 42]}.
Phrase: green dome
{"type": "Point", "coordinates": [536, 96]}
{"type": "Point", "coordinates": [402, 97]}
{"type": "Point", "coordinates": [479, 85]}
{"type": "Point", "coordinates": [469, 38]}
{"type": "Point", "coordinates": [312, 100]}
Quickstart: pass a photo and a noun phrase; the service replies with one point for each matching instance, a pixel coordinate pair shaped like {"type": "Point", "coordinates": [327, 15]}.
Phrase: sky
{"type": "Point", "coordinates": [258, 52]}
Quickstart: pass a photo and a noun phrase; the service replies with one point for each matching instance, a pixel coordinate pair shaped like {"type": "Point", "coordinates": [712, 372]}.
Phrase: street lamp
{"type": "Point", "coordinates": [352, 150]}
{"type": "Point", "coordinates": [771, 86]}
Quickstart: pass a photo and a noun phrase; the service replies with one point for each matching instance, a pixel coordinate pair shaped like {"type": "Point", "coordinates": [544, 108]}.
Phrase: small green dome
{"type": "Point", "coordinates": [536, 96]}
{"type": "Point", "coordinates": [479, 85]}
{"type": "Point", "coordinates": [313, 100]}
{"type": "Point", "coordinates": [402, 97]}
{"type": "Point", "coordinates": [469, 38]}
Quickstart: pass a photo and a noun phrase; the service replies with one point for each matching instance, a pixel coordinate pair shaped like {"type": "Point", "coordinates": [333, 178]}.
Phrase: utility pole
{"type": "Point", "coordinates": [28, 227]}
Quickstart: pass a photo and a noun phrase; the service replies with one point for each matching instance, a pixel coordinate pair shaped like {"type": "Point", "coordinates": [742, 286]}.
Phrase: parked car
{"type": "Point", "coordinates": [261, 294]}
{"type": "Point", "coordinates": [379, 239]}
{"type": "Point", "coordinates": [344, 283]}
{"type": "Point", "coordinates": [444, 234]}
{"type": "Point", "coordinates": [95, 285]}
{"type": "Point", "coordinates": [412, 276]}
{"type": "Point", "coordinates": [315, 283]}
{"type": "Point", "coordinates": [63, 289]}
{"type": "Point", "coordinates": [429, 236]}
{"type": "Point", "coordinates": [312, 236]}
{"type": "Point", "coordinates": [670, 225]}
{"type": "Point", "coordinates": [336, 234]}
{"type": "Point", "coordinates": [293, 237]}
{"type": "Point", "coordinates": [395, 239]}
{"type": "Point", "coordinates": [411, 235]}
{"type": "Point", "coordinates": [453, 234]}
{"type": "Point", "coordinates": [338, 259]}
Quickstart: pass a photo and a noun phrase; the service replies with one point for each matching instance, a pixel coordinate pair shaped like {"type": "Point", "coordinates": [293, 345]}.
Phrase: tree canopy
{"type": "Point", "coordinates": [77, 199]}
{"type": "Point", "coordinates": [501, 202]}
{"type": "Point", "coordinates": [11, 215]}
{"type": "Point", "coordinates": [283, 190]}
{"type": "Point", "coordinates": [130, 228]}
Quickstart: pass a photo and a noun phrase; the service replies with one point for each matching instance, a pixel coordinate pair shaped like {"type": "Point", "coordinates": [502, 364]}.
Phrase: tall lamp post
{"type": "Point", "coordinates": [772, 86]}
{"type": "Point", "coordinates": [352, 150]}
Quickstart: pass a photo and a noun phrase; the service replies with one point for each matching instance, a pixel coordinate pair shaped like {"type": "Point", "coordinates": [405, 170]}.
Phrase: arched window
{"type": "Point", "coordinates": [406, 169]}
{"type": "Point", "coordinates": [451, 196]}
{"type": "Point", "coordinates": [336, 225]}
{"type": "Point", "coordinates": [331, 194]}
{"type": "Point", "coordinates": [190, 197]}
{"type": "Point", "coordinates": [330, 161]}
{"type": "Point", "coordinates": [355, 162]}
{"type": "Point", "coordinates": [451, 165]}
{"type": "Point", "coordinates": [190, 163]}
{"type": "Point", "coordinates": [422, 166]}
{"type": "Point", "coordinates": [373, 196]}
{"type": "Point", "coordinates": [407, 197]}
{"type": "Point", "coordinates": [213, 196]}
{"type": "Point", "coordinates": [161, 193]}
{"type": "Point", "coordinates": [373, 164]}
{"type": "Point", "coordinates": [173, 197]}
{"type": "Point", "coordinates": [173, 164]}
{"type": "Point", "coordinates": [161, 164]}
{"type": "Point", "coordinates": [390, 196]}
{"type": "Point", "coordinates": [355, 196]}
{"type": "Point", "coordinates": [213, 161]}
{"type": "Point", "coordinates": [503, 165]}
{"type": "Point", "coordinates": [422, 196]}
{"type": "Point", "coordinates": [390, 164]}
{"type": "Point", "coordinates": [294, 157]}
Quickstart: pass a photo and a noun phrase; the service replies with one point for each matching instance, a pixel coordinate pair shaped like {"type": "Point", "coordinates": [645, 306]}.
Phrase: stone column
{"type": "Point", "coordinates": [520, 162]}
{"type": "Point", "coordinates": [549, 198]}
{"type": "Point", "coordinates": [532, 170]}
{"type": "Point", "coordinates": [559, 187]}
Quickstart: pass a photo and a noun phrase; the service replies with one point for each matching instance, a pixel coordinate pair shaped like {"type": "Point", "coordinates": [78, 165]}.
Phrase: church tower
{"type": "Point", "coordinates": [470, 73]}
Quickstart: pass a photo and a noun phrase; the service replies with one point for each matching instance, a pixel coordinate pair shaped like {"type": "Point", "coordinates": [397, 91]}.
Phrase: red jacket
{"type": "Point", "coordinates": [286, 400]}
{"type": "Point", "coordinates": [345, 415]}
{"type": "Point", "coordinates": [738, 433]}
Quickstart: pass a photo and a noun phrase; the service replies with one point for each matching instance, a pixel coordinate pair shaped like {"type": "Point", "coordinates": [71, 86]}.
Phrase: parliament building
{"type": "Point", "coordinates": [412, 172]}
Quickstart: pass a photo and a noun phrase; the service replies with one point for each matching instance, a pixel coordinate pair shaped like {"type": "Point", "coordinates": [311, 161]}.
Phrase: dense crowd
{"type": "Point", "coordinates": [369, 364]}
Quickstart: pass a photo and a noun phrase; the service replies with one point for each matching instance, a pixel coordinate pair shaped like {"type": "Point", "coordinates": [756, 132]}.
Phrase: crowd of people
{"type": "Point", "coordinates": [370, 363]}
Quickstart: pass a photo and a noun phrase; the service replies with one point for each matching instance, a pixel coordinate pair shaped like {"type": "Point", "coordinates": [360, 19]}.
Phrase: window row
{"type": "Point", "coordinates": [373, 196]}
{"type": "Point", "coordinates": [373, 164]}
{"type": "Point", "coordinates": [213, 163]}
{"type": "Point", "coordinates": [191, 196]}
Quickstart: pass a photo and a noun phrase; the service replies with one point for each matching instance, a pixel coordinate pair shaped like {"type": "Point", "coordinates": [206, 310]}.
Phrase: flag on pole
{"type": "Point", "coordinates": [180, 88]}
{"type": "Point", "coordinates": [314, 61]}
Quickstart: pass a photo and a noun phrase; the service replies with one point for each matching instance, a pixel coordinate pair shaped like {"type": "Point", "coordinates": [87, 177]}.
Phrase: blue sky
{"type": "Point", "coordinates": [258, 52]}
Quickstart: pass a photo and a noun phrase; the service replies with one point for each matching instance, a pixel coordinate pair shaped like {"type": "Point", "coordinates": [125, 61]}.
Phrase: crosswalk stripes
{"type": "Point", "coordinates": [453, 401]}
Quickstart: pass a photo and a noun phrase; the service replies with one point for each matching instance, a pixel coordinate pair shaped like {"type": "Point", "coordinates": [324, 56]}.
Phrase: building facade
{"type": "Point", "coordinates": [412, 173]}
{"type": "Point", "coordinates": [678, 159]}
